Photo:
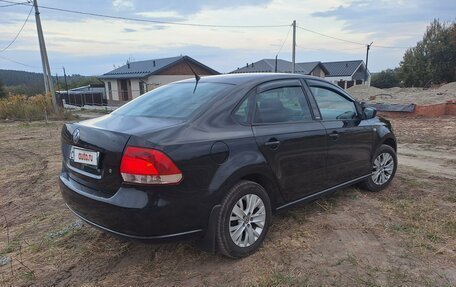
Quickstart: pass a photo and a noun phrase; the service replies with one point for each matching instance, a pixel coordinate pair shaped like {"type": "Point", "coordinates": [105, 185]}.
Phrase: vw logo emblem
{"type": "Point", "coordinates": [76, 136]}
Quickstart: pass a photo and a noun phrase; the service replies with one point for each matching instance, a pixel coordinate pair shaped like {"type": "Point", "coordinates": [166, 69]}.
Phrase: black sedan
{"type": "Point", "coordinates": [215, 157]}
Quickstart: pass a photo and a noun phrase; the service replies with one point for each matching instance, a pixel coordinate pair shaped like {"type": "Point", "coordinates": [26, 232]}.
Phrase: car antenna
{"type": "Point", "coordinates": [197, 78]}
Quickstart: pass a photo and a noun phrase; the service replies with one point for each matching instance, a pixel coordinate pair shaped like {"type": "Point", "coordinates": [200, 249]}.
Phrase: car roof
{"type": "Point", "coordinates": [251, 78]}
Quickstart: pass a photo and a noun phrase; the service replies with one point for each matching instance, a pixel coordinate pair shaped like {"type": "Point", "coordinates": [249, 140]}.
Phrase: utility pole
{"type": "Point", "coordinates": [367, 53]}
{"type": "Point", "coordinates": [66, 83]}
{"type": "Point", "coordinates": [293, 60]}
{"type": "Point", "coordinates": [275, 67]}
{"type": "Point", "coordinates": [48, 84]}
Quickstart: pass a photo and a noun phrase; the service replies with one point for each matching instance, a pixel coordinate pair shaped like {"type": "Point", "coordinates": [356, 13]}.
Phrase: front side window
{"type": "Point", "coordinates": [179, 101]}
{"type": "Point", "coordinates": [286, 104]}
{"type": "Point", "coordinates": [333, 106]}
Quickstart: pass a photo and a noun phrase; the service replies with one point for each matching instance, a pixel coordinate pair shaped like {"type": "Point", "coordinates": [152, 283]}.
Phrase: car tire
{"type": "Point", "coordinates": [242, 225]}
{"type": "Point", "coordinates": [384, 166]}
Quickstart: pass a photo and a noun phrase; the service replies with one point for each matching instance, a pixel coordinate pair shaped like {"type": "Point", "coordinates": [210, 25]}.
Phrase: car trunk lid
{"type": "Point", "coordinates": [105, 138]}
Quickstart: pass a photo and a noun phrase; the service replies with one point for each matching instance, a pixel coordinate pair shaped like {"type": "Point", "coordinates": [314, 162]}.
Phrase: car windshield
{"type": "Point", "coordinates": [173, 101]}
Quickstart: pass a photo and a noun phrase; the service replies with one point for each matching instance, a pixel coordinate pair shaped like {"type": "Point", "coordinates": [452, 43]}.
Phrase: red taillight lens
{"type": "Point", "coordinates": [148, 166]}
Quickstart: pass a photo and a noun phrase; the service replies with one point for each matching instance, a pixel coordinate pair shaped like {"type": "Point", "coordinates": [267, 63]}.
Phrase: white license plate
{"type": "Point", "coordinates": [84, 156]}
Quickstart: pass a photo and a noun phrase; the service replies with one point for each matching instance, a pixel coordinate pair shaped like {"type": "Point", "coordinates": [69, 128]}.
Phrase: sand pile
{"type": "Point", "coordinates": [398, 95]}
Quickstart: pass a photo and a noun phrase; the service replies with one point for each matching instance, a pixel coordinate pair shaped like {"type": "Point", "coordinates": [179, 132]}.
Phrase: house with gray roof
{"type": "Point", "coordinates": [135, 78]}
{"type": "Point", "coordinates": [347, 73]}
{"type": "Point", "coordinates": [283, 66]}
{"type": "Point", "coordinates": [343, 73]}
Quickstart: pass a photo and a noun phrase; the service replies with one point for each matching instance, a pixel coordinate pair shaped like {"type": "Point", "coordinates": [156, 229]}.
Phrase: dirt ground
{"type": "Point", "coordinates": [396, 95]}
{"type": "Point", "coordinates": [403, 236]}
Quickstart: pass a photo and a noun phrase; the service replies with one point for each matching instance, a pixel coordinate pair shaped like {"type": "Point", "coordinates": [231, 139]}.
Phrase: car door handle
{"type": "Point", "coordinates": [272, 143]}
{"type": "Point", "coordinates": [334, 136]}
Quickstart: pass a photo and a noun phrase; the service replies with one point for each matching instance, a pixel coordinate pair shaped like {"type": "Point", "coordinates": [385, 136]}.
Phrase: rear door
{"type": "Point", "coordinates": [293, 143]}
{"type": "Point", "coordinates": [349, 139]}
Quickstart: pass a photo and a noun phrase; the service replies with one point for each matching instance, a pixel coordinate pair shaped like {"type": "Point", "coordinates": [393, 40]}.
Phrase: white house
{"type": "Point", "coordinates": [347, 73]}
{"type": "Point", "coordinates": [135, 78]}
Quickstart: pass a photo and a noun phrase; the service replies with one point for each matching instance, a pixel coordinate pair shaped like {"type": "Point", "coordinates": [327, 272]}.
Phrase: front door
{"type": "Point", "coordinates": [293, 143]}
{"type": "Point", "coordinates": [349, 138]}
{"type": "Point", "coordinates": [124, 90]}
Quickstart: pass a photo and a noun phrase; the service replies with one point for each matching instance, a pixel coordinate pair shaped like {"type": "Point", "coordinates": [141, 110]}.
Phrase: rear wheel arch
{"type": "Point", "coordinates": [390, 142]}
{"type": "Point", "coordinates": [261, 174]}
{"type": "Point", "coordinates": [267, 183]}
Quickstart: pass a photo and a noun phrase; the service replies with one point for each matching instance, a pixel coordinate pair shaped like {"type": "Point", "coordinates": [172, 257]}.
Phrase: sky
{"type": "Point", "coordinates": [90, 45]}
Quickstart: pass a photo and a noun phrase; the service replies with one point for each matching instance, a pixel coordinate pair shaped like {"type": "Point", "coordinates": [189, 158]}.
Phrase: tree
{"type": "Point", "coordinates": [3, 93]}
{"type": "Point", "coordinates": [385, 79]}
{"type": "Point", "coordinates": [433, 59]}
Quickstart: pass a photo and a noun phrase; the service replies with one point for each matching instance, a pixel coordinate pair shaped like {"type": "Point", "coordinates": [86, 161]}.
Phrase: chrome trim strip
{"type": "Point", "coordinates": [319, 193]}
{"type": "Point", "coordinates": [82, 172]}
{"type": "Point", "coordinates": [133, 236]}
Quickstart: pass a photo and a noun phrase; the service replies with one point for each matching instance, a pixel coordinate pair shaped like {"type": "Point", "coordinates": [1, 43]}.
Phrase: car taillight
{"type": "Point", "coordinates": [148, 166]}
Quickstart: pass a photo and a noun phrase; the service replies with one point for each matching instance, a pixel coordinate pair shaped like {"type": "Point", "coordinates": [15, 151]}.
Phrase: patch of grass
{"type": "Point", "coordinates": [97, 111]}
{"type": "Point", "coordinates": [277, 278]}
{"type": "Point", "coordinates": [11, 247]}
{"type": "Point", "coordinates": [420, 214]}
{"type": "Point", "coordinates": [325, 204]}
{"type": "Point", "coordinates": [27, 276]}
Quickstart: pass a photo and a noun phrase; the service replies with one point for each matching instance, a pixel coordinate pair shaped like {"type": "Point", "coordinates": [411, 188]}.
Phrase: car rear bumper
{"type": "Point", "coordinates": [157, 237]}
{"type": "Point", "coordinates": [135, 214]}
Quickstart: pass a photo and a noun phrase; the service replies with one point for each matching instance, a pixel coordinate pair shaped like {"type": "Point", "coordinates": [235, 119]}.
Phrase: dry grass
{"type": "Point", "coordinates": [404, 236]}
{"type": "Point", "coordinates": [20, 107]}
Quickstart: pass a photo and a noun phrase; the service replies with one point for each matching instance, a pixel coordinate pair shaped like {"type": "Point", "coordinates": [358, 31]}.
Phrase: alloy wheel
{"type": "Point", "coordinates": [247, 220]}
{"type": "Point", "coordinates": [383, 168]}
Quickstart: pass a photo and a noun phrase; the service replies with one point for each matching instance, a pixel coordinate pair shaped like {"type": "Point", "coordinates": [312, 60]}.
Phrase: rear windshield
{"type": "Point", "coordinates": [173, 101]}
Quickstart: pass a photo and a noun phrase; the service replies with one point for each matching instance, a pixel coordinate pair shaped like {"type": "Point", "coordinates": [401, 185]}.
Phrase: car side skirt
{"type": "Point", "coordinates": [131, 236]}
{"type": "Point", "coordinates": [319, 194]}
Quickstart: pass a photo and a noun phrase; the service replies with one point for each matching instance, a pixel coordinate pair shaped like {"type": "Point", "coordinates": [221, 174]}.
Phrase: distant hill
{"type": "Point", "coordinates": [29, 83]}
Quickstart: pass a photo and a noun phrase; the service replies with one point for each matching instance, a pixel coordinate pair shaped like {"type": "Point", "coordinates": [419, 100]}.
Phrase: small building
{"type": "Point", "coordinates": [135, 78]}
{"type": "Point", "coordinates": [346, 74]}
{"type": "Point", "coordinates": [283, 66]}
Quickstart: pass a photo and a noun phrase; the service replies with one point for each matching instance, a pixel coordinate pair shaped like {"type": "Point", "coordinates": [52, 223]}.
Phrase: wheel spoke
{"type": "Point", "coordinates": [251, 237]}
{"type": "Point", "coordinates": [255, 232]}
{"type": "Point", "coordinates": [236, 236]}
{"type": "Point", "coordinates": [250, 203]}
{"type": "Point", "coordinates": [238, 212]}
{"type": "Point", "coordinates": [258, 218]}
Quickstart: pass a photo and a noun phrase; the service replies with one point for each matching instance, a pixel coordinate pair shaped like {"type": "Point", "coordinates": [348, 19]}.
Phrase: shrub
{"type": "Point", "coordinates": [385, 79]}
{"type": "Point", "coordinates": [20, 107]}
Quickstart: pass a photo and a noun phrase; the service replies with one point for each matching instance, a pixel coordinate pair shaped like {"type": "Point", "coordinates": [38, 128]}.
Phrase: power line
{"type": "Point", "coordinates": [352, 42]}
{"type": "Point", "coordinates": [284, 40]}
{"type": "Point", "coordinates": [338, 49]}
{"type": "Point", "coordinates": [17, 62]}
{"type": "Point", "coordinates": [328, 36]}
{"type": "Point", "coordinates": [13, 4]}
{"type": "Point", "coordinates": [150, 21]}
{"type": "Point", "coordinates": [18, 33]}
{"type": "Point", "coordinates": [391, 47]}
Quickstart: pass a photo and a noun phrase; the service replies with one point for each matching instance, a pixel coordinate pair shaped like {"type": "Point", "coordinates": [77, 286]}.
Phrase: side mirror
{"type": "Point", "coordinates": [369, 113]}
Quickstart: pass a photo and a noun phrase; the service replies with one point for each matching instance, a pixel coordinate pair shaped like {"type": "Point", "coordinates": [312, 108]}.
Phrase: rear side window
{"type": "Point", "coordinates": [174, 101]}
{"type": "Point", "coordinates": [333, 106]}
{"type": "Point", "coordinates": [242, 112]}
{"type": "Point", "coordinates": [286, 104]}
